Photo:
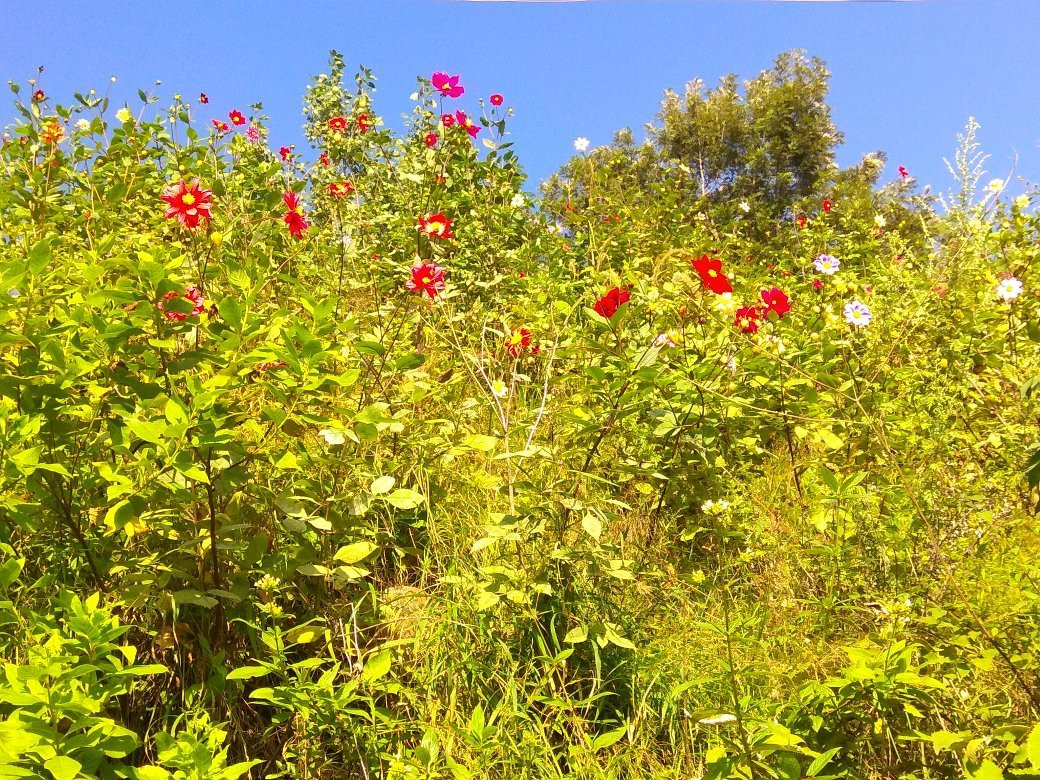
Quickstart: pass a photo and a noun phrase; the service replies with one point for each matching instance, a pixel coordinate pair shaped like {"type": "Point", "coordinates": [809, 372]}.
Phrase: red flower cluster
{"type": "Point", "coordinates": [323, 158]}
{"type": "Point", "coordinates": [191, 293]}
{"type": "Point", "coordinates": [236, 118]}
{"type": "Point", "coordinates": [188, 203]}
{"type": "Point", "coordinates": [447, 85]}
{"type": "Point", "coordinates": [426, 278]}
{"type": "Point", "coordinates": [294, 218]}
{"type": "Point", "coordinates": [340, 189]}
{"type": "Point", "coordinates": [712, 277]}
{"type": "Point", "coordinates": [747, 319]}
{"type": "Point", "coordinates": [517, 341]}
{"type": "Point", "coordinates": [776, 301]}
{"type": "Point", "coordinates": [608, 305]}
{"type": "Point", "coordinates": [436, 226]}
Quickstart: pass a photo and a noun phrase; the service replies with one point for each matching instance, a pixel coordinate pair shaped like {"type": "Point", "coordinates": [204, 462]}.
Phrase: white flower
{"type": "Point", "coordinates": [707, 505]}
{"type": "Point", "coordinates": [581, 144]}
{"type": "Point", "coordinates": [83, 125]}
{"type": "Point", "coordinates": [331, 436]}
{"type": "Point", "coordinates": [731, 364]}
{"type": "Point", "coordinates": [995, 186]}
{"type": "Point", "coordinates": [1021, 202]}
{"type": "Point", "coordinates": [124, 115]}
{"type": "Point", "coordinates": [725, 303]}
{"type": "Point", "coordinates": [880, 221]}
{"type": "Point", "coordinates": [518, 201]}
{"type": "Point", "coordinates": [499, 389]}
{"type": "Point", "coordinates": [744, 206]}
{"type": "Point", "coordinates": [857, 314]}
{"type": "Point", "coordinates": [13, 292]}
{"type": "Point", "coordinates": [827, 264]}
{"type": "Point", "coordinates": [1009, 289]}
{"type": "Point", "coordinates": [663, 340]}
{"type": "Point", "coordinates": [718, 720]}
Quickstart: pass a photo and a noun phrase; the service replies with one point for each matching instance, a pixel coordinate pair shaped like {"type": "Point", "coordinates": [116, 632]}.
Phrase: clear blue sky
{"type": "Point", "coordinates": [906, 76]}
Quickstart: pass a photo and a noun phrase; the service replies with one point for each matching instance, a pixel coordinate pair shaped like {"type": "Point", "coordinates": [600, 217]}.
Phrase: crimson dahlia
{"type": "Point", "coordinates": [187, 203]}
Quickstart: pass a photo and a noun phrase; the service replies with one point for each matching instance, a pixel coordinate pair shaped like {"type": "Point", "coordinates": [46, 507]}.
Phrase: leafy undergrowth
{"type": "Point", "coordinates": [715, 460]}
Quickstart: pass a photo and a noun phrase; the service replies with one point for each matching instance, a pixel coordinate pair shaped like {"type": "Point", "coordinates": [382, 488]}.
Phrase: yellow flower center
{"type": "Point", "coordinates": [713, 273]}
{"type": "Point", "coordinates": [187, 199]}
{"type": "Point", "coordinates": [426, 280]}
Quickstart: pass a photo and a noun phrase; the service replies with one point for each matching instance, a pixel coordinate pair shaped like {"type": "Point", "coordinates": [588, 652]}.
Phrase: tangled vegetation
{"type": "Point", "coordinates": [715, 460]}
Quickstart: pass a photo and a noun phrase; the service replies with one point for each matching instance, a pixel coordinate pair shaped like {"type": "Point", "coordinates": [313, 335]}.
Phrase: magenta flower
{"type": "Point", "coordinates": [447, 85]}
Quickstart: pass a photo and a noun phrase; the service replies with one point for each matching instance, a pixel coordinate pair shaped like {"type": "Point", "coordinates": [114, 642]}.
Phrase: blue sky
{"type": "Point", "coordinates": [906, 76]}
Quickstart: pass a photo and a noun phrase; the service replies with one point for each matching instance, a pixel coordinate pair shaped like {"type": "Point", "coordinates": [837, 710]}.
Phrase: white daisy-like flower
{"type": "Point", "coordinates": [1022, 202]}
{"type": "Point", "coordinates": [724, 303]}
{"type": "Point", "coordinates": [499, 388]}
{"type": "Point", "coordinates": [827, 264]}
{"type": "Point", "coordinates": [82, 125]}
{"type": "Point", "coordinates": [744, 206]}
{"type": "Point", "coordinates": [581, 144]}
{"type": "Point", "coordinates": [995, 186]}
{"type": "Point", "coordinates": [1010, 288]}
{"type": "Point", "coordinates": [857, 314]}
{"type": "Point", "coordinates": [518, 201]}
{"type": "Point", "coordinates": [332, 436]}
{"type": "Point", "coordinates": [880, 221]}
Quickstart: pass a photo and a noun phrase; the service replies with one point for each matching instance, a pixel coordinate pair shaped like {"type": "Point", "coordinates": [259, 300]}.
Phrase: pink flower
{"type": "Point", "coordinates": [447, 120]}
{"type": "Point", "coordinates": [253, 134]}
{"type": "Point", "coordinates": [191, 293]}
{"type": "Point", "coordinates": [431, 139]}
{"type": "Point", "coordinates": [447, 85]}
{"type": "Point", "coordinates": [203, 98]}
{"type": "Point", "coordinates": [466, 122]}
{"type": "Point", "coordinates": [496, 99]}
{"type": "Point", "coordinates": [426, 278]}
{"type": "Point", "coordinates": [904, 172]}
{"type": "Point", "coordinates": [285, 152]}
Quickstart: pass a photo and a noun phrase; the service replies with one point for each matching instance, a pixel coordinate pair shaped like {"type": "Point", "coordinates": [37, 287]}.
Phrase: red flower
{"type": "Point", "coordinates": [340, 188]}
{"type": "Point", "coordinates": [436, 226]}
{"type": "Point", "coordinates": [496, 99]}
{"type": "Point", "coordinates": [517, 341]}
{"type": "Point", "coordinates": [776, 302]}
{"type": "Point", "coordinates": [431, 139]}
{"type": "Point", "coordinates": [447, 85]}
{"type": "Point", "coordinates": [904, 172]}
{"type": "Point", "coordinates": [324, 159]}
{"type": "Point", "coordinates": [294, 218]}
{"type": "Point", "coordinates": [608, 305]}
{"type": "Point", "coordinates": [426, 278]}
{"type": "Point", "coordinates": [221, 126]}
{"type": "Point", "coordinates": [191, 293]}
{"type": "Point", "coordinates": [447, 120]}
{"type": "Point", "coordinates": [363, 123]}
{"type": "Point", "coordinates": [337, 124]}
{"type": "Point", "coordinates": [800, 220]}
{"type": "Point", "coordinates": [203, 98]}
{"type": "Point", "coordinates": [827, 205]}
{"type": "Point", "coordinates": [38, 95]}
{"type": "Point", "coordinates": [237, 118]}
{"type": "Point", "coordinates": [187, 202]}
{"type": "Point", "coordinates": [710, 271]}
{"type": "Point", "coordinates": [285, 153]}
{"type": "Point", "coordinates": [817, 284]}
{"type": "Point", "coordinates": [747, 319]}
{"type": "Point", "coordinates": [466, 122]}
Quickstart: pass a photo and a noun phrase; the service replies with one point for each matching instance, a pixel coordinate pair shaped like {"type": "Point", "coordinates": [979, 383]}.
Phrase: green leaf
{"type": "Point", "coordinates": [592, 525]}
{"type": "Point", "coordinates": [63, 767]}
{"type": "Point", "coordinates": [376, 666]}
{"type": "Point", "coordinates": [576, 635]}
{"type": "Point", "coordinates": [381, 485]}
{"type": "Point", "coordinates": [402, 498]}
{"type": "Point", "coordinates": [352, 553]}
{"type": "Point", "coordinates": [608, 739]}
{"type": "Point", "coordinates": [988, 771]}
{"type": "Point", "coordinates": [247, 672]}
{"type": "Point", "coordinates": [1033, 747]}
{"type": "Point", "coordinates": [152, 431]}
